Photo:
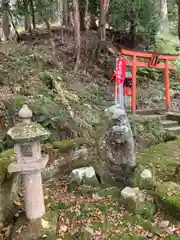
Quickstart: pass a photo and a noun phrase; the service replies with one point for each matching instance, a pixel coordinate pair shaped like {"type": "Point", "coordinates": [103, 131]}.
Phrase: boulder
{"type": "Point", "coordinates": [167, 196]}
{"type": "Point", "coordinates": [138, 202]}
{"type": "Point", "coordinates": [84, 175]}
{"type": "Point", "coordinates": [129, 192]}
{"type": "Point", "coordinates": [145, 178]}
{"type": "Point", "coordinates": [146, 174]}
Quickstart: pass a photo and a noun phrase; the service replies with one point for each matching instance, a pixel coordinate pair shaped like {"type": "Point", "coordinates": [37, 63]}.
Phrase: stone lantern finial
{"type": "Point", "coordinates": [25, 113]}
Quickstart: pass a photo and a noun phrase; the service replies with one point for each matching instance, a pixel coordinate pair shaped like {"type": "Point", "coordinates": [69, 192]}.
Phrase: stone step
{"type": "Point", "coordinates": [153, 116]}
{"type": "Point", "coordinates": [147, 112]}
{"type": "Point", "coordinates": [169, 123]}
{"type": "Point", "coordinates": [174, 130]}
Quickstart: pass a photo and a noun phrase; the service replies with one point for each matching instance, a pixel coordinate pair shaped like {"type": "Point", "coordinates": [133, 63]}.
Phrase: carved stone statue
{"type": "Point", "coordinates": [118, 148]}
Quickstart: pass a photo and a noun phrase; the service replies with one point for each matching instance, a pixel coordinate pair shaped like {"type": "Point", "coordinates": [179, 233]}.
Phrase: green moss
{"type": "Point", "coordinates": [112, 192]}
{"type": "Point", "coordinates": [145, 209]}
{"type": "Point", "coordinates": [149, 131]}
{"type": "Point", "coordinates": [67, 145]}
{"type": "Point", "coordinates": [6, 158]}
{"type": "Point", "coordinates": [15, 103]}
{"type": "Point", "coordinates": [171, 205]}
{"type": "Point", "coordinates": [27, 132]}
{"type": "Point", "coordinates": [144, 183]}
{"type": "Point", "coordinates": [164, 157]}
{"type": "Point", "coordinates": [136, 219]}
{"type": "Point", "coordinates": [172, 238]}
{"type": "Point", "coordinates": [127, 236]}
{"type": "Point", "coordinates": [167, 196]}
{"type": "Point", "coordinates": [174, 200]}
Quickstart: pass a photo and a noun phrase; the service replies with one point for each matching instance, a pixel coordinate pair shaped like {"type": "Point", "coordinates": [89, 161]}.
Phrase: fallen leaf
{"type": "Point", "coordinates": [44, 236]}
{"type": "Point", "coordinates": [19, 204]}
{"type": "Point", "coordinates": [178, 232]}
{"type": "Point", "coordinates": [164, 224]}
{"type": "Point", "coordinates": [45, 224]}
{"type": "Point", "coordinates": [63, 228]}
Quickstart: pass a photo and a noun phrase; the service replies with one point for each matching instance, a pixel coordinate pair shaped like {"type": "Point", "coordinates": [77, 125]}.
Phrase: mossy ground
{"type": "Point", "coordinates": [92, 212]}
{"type": "Point", "coordinates": [164, 158]}
{"type": "Point", "coordinates": [31, 75]}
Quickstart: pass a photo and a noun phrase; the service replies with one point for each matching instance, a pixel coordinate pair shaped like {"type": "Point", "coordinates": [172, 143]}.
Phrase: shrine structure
{"type": "Point", "coordinates": [149, 60]}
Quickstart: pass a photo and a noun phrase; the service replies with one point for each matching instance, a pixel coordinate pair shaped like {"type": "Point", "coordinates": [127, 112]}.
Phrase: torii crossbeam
{"type": "Point", "coordinates": [150, 60]}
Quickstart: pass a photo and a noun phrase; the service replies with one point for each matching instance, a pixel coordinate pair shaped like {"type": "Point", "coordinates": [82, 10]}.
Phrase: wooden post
{"type": "Point", "coordinates": [167, 86]}
{"type": "Point", "coordinates": [134, 84]}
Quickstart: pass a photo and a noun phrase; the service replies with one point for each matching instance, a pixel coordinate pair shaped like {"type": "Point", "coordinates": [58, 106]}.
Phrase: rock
{"type": "Point", "coordinates": [138, 202]}
{"type": "Point", "coordinates": [78, 174]}
{"type": "Point", "coordinates": [167, 196]}
{"type": "Point", "coordinates": [145, 178]}
{"type": "Point", "coordinates": [128, 192]}
{"type": "Point", "coordinates": [84, 175]}
{"type": "Point", "coordinates": [146, 174]}
{"type": "Point", "coordinates": [164, 224]}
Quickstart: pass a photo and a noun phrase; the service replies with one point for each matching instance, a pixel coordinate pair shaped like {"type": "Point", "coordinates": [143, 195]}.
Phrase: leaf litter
{"type": "Point", "coordinates": [99, 217]}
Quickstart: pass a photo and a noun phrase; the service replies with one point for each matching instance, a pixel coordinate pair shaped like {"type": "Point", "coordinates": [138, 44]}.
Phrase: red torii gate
{"type": "Point", "coordinates": [151, 60]}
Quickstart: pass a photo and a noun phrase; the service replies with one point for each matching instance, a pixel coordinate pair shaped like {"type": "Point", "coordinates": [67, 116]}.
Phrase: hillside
{"type": "Point", "coordinates": [71, 106]}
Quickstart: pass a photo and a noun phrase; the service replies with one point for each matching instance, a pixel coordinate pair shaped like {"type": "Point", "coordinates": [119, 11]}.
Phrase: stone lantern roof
{"type": "Point", "coordinates": [27, 131]}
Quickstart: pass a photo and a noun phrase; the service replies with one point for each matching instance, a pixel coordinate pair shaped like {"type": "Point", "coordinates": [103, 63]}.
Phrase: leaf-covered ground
{"type": "Point", "coordinates": [30, 73]}
{"type": "Point", "coordinates": [96, 213]}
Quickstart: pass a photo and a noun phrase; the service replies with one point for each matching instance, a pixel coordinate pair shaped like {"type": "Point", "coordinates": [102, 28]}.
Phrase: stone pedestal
{"type": "Point", "coordinates": [33, 195]}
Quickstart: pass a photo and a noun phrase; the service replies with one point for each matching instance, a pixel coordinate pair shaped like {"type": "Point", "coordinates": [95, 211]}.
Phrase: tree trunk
{"type": "Point", "coordinates": [178, 4]}
{"type": "Point", "coordinates": [83, 8]}
{"type": "Point", "coordinates": [6, 23]}
{"type": "Point", "coordinates": [132, 34]}
{"type": "Point", "coordinates": [77, 38]}
{"type": "Point", "coordinates": [60, 10]}
{"type": "Point", "coordinates": [33, 14]}
{"type": "Point", "coordinates": [102, 22]}
{"type": "Point", "coordinates": [65, 12]}
{"type": "Point", "coordinates": [27, 20]}
{"type": "Point", "coordinates": [93, 24]}
{"type": "Point", "coordinates": [163, 16]}
{"type": "Point", "coordinates": [132, 31]}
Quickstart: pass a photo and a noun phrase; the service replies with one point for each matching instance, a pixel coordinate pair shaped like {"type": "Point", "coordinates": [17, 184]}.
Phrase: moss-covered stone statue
{"type": "Point", "coordinates": [118, 148]}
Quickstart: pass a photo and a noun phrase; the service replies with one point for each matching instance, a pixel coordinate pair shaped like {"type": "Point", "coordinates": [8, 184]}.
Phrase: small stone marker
{"type": "Point", "coordinates": [146, 174]}
{"type": "Point", "coordinates": [27, 136]}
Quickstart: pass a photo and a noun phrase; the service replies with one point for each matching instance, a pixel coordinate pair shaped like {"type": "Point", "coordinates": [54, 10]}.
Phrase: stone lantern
{"type": "Point", "coordinates": [30, 162]}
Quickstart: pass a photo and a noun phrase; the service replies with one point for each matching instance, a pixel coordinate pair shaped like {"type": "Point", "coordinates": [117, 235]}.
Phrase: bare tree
{"type": "Point", "coordinates": [178, 4]}
{"type": "Point", "coordinates": [33, 14]}
{"type": "Point", "coordinates": [83, 9]}
{"type": "Point", "coordinates": [104, 5]}
{"type": "Point", "coordinates": [102, 22]}
{"type": "Point", "coordinates": [164, 16]}
{"type": "Point", "coordinates": [6, 20]}
{"type": "Point", "coordinates": [65, 13]}
{"type": "Point", "coordinates": [27, 20]}
{"type": "Point", "coordinates": [77, 39]}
